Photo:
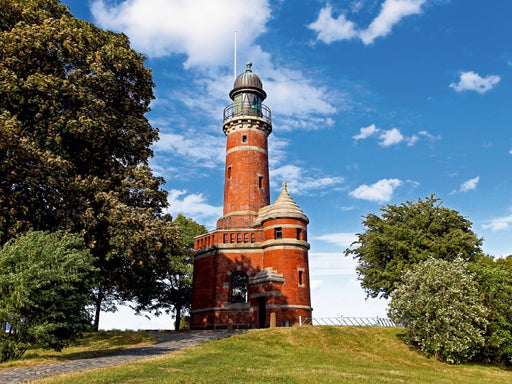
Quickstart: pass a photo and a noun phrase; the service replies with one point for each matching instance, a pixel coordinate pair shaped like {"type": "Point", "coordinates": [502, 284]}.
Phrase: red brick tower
{"type": "Point", "coordinates": [252, 271]}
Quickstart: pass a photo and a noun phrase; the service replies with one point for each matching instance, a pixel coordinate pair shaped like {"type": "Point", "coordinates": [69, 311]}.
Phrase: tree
{"type": "Point", "coordinates": [75, 142]}
{"type": "Point", "coordinates": [179, 292]}
{"type": "Point", "coordinates": [174, 291]}
{"type": "Point", "coordinates": [438, 303]}
{"type": "Point", "coordinates": [45, 286]}
{"type": "Point", "coordinates": [405, 235]}
{"type": "Point", "coordinates": [494, 278]}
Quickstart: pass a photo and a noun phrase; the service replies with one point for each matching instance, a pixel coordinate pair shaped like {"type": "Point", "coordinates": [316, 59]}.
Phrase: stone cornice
{"type": "Point", "coordinates": [246, 122]}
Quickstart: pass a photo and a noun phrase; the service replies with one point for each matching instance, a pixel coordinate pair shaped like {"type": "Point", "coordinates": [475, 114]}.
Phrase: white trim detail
{"type": "Point", "coordinates": [246, 148]}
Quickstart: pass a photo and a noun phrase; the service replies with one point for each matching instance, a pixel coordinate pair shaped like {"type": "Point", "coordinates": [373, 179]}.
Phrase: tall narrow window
{"type": "Point", "coordinates": [244, 139]}
{"type": "Point", "coordinates": [278, 233]}
{"type": "Point", "coordinates": [299, 233]}
{"type": "Point", "coordinates": [229, 172]}
{"type": "Point", "coordinates": [260, 181]}
{"type": "Point", "coordinates": [301, 277]}
{"type": "Point", "coordinates": [239, 288]}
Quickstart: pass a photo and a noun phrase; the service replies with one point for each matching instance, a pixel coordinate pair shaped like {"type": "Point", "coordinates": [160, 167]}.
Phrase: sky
{"type": "Point", "coordinates": [374, 102]}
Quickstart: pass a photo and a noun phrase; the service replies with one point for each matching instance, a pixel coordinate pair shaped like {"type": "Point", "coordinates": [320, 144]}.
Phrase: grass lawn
{"type": "Point", "coordinates": [295, 355]}
{"type": "Point", "coordinates": [90, 345]}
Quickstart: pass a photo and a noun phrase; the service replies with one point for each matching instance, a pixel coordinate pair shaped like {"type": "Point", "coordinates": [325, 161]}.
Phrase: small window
{"type": "Point", "coordinates": [229, 172]}
{"type": "Point", "coordinates": [278, 233]}
{"type": "Point", "coordinates": [239, 288]}
{"type": "Point", "coordinates": [301, 277]}
{"type": "Point", "coordinates": [225, 238]}
{"type": "Point", "coordinates": [253, 238]}
{"type": "Point", "coordinates": [260, 182]}
{"type": "Point", "coordinates": [244, 139]}
{"type": "Point", "coordinates": [246, 237]}
{"type": "Point", "coordinates": [239, 238]}
{"type": "Point", "coordinates": [299, 233]}
{"type": "Point", "coordinates": [232, 238]}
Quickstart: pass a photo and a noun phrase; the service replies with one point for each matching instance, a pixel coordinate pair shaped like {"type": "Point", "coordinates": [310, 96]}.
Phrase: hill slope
{"type": "Point", "coordinates": [297, 355]}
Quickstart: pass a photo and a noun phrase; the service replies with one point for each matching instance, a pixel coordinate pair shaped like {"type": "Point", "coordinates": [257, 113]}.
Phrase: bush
{"type": "Point", "coordinates": [45, 288]}
{"type": "Point", "coordinates": [439, 304]}
{"type": "Point", "coordinates": [495, 281]}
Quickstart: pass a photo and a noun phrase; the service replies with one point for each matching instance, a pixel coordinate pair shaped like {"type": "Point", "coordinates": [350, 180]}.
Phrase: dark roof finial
{"type": "Point", "coordinates": [249, 66]}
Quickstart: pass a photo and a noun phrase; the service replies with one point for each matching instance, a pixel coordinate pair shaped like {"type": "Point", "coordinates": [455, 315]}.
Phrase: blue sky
{"type": "Point", "coordinates": [373, 102]}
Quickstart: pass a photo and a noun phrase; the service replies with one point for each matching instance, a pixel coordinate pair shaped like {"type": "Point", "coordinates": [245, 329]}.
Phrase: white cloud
{"type": "Point", "coordinates": [203, 30]}
{"type": "Point", "coordinates": [471, 81]}
{"type": "Point", "coordinates": [299, 182]}
{"type": "Point", "coordinates": [470, 184]}
{"type": "Point", "coordinates": [330, 29]}
{"type": "Point", "coordinates": [342, 240]}
{"type": "Point", "coordinates": [412, 140]}
{"type": "Point", "coordinates": [193, 205]}
{"type": "Point", "coordinates": [315, 284]}
{"type": "Point", "coordinates": [331, 263]}
{"type": "Point", "coordinates": [391, 137]}
{"type": "Point", "coordinates": [429, 136]}
{"type": "Point", "coordinates": [391, 13]}
{"type": "Point", "coordinates": [366, 132]}
{"type": "Point", "coordinates": [276, 150]}
{"type": "Point", "coordinates": [203, 149]}
{"type": "Point", "coordinates": [381, 191]}
{"type": "Point", "coordinates": [311, 112]}
{"type": "Point", "coordinates": [499, 223]}
{"type": "Point", "coordinates": [510, 152]}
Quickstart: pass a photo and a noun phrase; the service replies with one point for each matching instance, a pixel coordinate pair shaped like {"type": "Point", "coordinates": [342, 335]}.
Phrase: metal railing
{"type": "Point", "coordinates": [350, 321]}
{"type": "Point", "coordinates": [260, 110]}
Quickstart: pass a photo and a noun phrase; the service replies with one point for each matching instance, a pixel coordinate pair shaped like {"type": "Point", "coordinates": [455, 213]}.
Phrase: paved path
{"type": "Point", "coordinates": [168, 342]}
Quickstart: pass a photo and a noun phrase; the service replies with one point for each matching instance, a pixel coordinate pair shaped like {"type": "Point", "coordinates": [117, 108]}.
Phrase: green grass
{"type": "Point", "coordinates": [295, 355]}
{"type": "Point", "coordinates": [90, 345]}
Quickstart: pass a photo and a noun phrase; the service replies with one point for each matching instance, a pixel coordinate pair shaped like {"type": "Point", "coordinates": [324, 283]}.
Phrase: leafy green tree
{"type": "Point", "coordinates": [45, 287]}
{"type": "Point", "coordinates": [494, 278]}
{"type": "Point", "coordinates": [405, 235]}
{"type": "Point", "coordinates": [75, 143]}
{"type": "Point", "coordinates": [174, 290]}
{"type": "Point", "coordinates": [439, 304]}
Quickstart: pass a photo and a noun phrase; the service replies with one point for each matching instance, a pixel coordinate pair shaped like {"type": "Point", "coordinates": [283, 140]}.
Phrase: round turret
{"type": "Point", "coordinates": [247, 94]}
{"type": "Point", "coordinates": [248, 82]}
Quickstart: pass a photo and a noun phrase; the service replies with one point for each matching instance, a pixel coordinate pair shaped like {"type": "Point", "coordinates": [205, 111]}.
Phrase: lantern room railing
{"type": "Point", "coordinates": [260, 110]}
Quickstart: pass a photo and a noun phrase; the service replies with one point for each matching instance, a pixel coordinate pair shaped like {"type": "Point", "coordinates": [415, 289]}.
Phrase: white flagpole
{"type": "Point", "coordinates": [235, 59]}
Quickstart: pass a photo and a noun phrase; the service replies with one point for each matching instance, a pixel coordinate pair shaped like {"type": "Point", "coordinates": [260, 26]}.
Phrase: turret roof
{"type": "Point", "coordinates": [283, 207]}
{"type": "Point", "coordinates": [248, 80]}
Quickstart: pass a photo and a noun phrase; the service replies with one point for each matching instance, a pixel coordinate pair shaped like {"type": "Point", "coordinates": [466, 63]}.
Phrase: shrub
{"type": "Point", "coordinates": [439, 304]}
{"type": "Point", "coordinates": [45, 287]}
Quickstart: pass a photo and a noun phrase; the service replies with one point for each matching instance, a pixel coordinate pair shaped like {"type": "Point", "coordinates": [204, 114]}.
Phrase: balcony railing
{"type": "Point", "coordinates": [235, 110]}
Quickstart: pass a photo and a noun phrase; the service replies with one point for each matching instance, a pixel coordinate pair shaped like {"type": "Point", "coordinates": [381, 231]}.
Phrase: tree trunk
{"type": "Point", "coordinates": [98, 302]}
{"type": "Point", "coordinates": [178, 318]}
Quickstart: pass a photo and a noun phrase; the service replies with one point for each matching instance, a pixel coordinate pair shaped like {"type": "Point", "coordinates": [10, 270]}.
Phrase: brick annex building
{"type": "Point", "coordinates": [252, 271]}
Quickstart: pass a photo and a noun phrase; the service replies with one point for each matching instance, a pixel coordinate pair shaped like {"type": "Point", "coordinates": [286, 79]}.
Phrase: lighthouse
{"type": "Point", "coordinates": [252, 270]}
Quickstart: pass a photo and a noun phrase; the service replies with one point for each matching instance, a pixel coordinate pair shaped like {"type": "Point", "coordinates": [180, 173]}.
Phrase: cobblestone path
{"type": "Point", "coordinates": [168, 342]}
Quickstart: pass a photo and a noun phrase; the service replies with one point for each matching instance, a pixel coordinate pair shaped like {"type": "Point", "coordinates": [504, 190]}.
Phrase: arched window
{"type": "Point", "coordinates": [239, 288]}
